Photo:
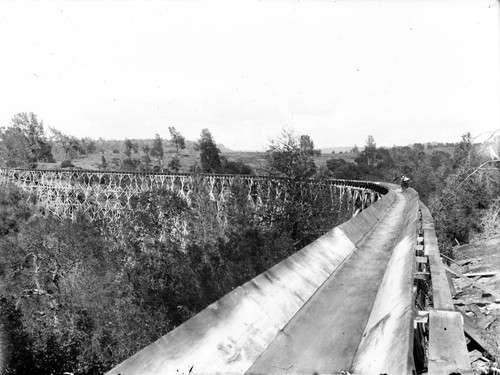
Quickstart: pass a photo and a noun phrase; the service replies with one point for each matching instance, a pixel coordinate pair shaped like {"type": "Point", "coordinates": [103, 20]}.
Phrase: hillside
{"type": "Point", "coordinates": [188, 157]}
{"type": "Point", "coordinates": [113, 152]}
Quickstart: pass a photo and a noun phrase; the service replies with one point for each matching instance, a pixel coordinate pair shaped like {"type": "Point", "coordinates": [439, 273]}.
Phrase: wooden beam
{"type": "Point", "coordinates": [447, 347]}
{"type": "Point", "coordinates": [477, 312]}
{"type": "Point", "coordinates": [468, 301]}
{"type": "Point", "coordinates": [440, 289]}
{"type": "Point", "coordinates": [473, 283]}
{"type": "Point", "coordinates": [422, 275]}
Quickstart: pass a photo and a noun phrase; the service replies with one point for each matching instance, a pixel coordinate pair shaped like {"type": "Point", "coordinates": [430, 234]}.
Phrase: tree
{"type": "Point", "coordinates": [104, 163]}
{"type": "Point", "coordinates": [374, 162]}
{"type": "Point", "coordinates": [88, 145]}
{"type": "Point", "coordinates": [419, 147]}
{"type": "Point", "coordinates": [306, 145]}
{"type": "Point", "coordinates": [209, 153]}
{"type": "Point", "coordinates": [440, 158]}
{"type": "Point", "coordinates": [130, 146]}
{"type": "Point", "coordinates": [24, 141]}
{"type": "Point", "coordinates": [130, 164]}
{"type": "Point", "coordinates": [342, 169]}
{"type": "Point", "coordinates": [157, 149]}
{"type": "Point", "coordinates": [467, 193]}
{"type": "Point", "coordinates": [285, 156]}
{"type": "Point", "coordinates": [177, 139]}
{"type": "Point", "coordinates": [464, 153]}
{"type": "Point", "coordinates": [71, 145]}
{"type": "Point", "coordinates": [53, 270]}
{"type": "Point", "coordinates": [175, 164]}
{"type": "Point", "coordinates": [369, 154]}
{"type": "Point", "coordinates": [146, 159]}
{"type": "Point", "coordinates": [235, 167]}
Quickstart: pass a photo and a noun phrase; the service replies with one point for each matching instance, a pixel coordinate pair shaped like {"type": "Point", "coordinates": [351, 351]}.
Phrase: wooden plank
{"type": "Point", "coordinates": [480, 274]}
{"type": "Point", "coordinates": [447, 347]}
{"type": "Point", "coordinates": [477, 312]}
{"type": "Point", "coordinates": [493, 280]}
{"type": "Point", "coordinates": [473, 283]}
{"type": "Point", "coordinates": [468, 301]}
{"type": "Point", "coordinates": [440, 289]}
{"type": "Point", "coordinates": [422, 317]}
{"type": "Point", "coordinates": [422, 259]}
{"type": "Point", "coordinates": [475, 355]}
{"type": "Point", "coordinates": [485, 322]}
{"type": "Point", "coordinates": [422, 275]}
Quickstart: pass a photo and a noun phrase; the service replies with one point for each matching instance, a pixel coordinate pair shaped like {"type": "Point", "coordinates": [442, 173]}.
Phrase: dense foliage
{"type": "Point", "coordinates": [460, 188]}
{"type": "Point", "coordinates": [209, 153]}
{"type": "Point", "coordinates": [24, 143]}
{"type": "Point", "coordinates": [291, 156]}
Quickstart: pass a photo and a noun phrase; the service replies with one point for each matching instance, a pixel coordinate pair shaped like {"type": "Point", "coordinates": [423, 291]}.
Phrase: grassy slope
{"type": "Point", "coordinates": [189, 156]}
{"type": "Point", "coordinates": [256, 160]}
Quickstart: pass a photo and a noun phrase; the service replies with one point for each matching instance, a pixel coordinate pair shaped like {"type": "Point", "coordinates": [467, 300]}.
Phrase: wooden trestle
{"type": "Point", "coordinates": [105, 194]}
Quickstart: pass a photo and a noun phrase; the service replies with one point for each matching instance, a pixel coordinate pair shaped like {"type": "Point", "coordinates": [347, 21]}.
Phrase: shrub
{"type": "Point", "coordinates": [67, 164]}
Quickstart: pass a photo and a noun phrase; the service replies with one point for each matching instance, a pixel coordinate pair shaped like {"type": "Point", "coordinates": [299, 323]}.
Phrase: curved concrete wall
{"type": "Point", "coordinates": [229, 335]}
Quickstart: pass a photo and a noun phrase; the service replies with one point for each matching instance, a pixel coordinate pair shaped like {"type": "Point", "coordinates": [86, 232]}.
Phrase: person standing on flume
{"type": "Point", "coordinates": [404, 181]}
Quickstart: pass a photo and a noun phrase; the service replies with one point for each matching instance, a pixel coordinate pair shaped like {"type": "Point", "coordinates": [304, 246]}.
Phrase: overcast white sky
{"type": "Point", "coordinates": [403, 71]}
